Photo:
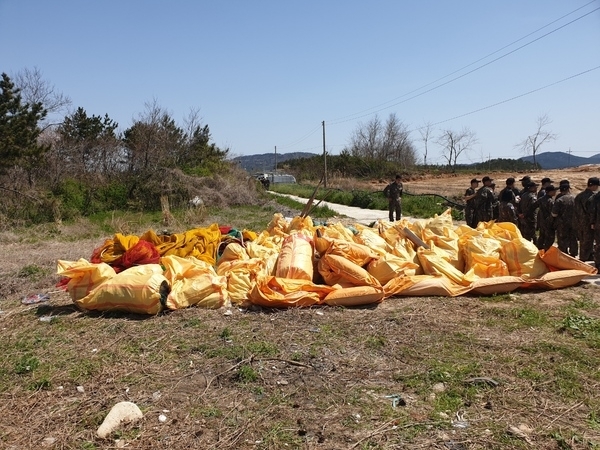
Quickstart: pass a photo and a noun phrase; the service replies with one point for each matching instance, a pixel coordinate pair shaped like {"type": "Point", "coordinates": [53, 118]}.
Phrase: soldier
{"type": "Point", "coordinates": [393, 193]}
{"type": "Point", "coordinates": [506, 209]}
{"type": "Point", "coordinates": [562, 211]}
{"type": "Point", "coordinates": [545, 219]}
{"type": "Point", "coordinates": [583, 220]}
{"type": "Point", "coordinates": [510, 186]}
{"type": "Point", "coordinates": [524, 182]}
{"type": "Point", "coordinates": [528, 211]}
{"type": "Point", "coordinates": [545, 183]}
{"type": "Point", "coordinates": [484, 201]}
{"type": "Point", "coordinates": [469, 199]}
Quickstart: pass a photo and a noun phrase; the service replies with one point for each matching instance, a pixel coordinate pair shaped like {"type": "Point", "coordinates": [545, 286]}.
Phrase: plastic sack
{"type": "Point", "coordinates": [193, 283]}
{"type": "Point", "coordinates": [428, 285]}
{"type": "Point", "coordinates": [83, 276]}
{"type": "Point", "coordinates": [241, 277]}
{"type": "Point", "coordinates": [278, 225]}
{"type": "Point", "coordinates": [434, 264]}
{"type": "Point", "coordinates": [277, 292]}
{"type": "Point", "coordinates": [338, 270]}
{"type": "Point", "coordinates": [355, 296]}
{"type": "Point", "coordinates": [142, 290]}
{"type": "Point", "coordinates": [390, 266]}
{"type": "Point", "coordinates": [295, 258]}
{"type": "Point", "coordinates": [558, 260]}
{"type": "Point", "coordinates": [522, 258]}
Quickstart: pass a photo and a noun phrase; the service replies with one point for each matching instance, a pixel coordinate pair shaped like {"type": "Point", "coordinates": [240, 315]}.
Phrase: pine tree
{"type": "Point", "coordinates": [19, 129]}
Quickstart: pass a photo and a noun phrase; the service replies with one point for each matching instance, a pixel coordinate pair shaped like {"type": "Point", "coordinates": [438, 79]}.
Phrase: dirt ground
{"type": "Point", "coordinates": [455, 186]}
{"type": "Point", "coordinates": [514, 371]}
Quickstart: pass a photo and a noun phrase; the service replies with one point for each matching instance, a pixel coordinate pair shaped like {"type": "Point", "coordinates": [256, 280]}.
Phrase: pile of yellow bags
{"type": "Point", "coordinates": [298, 264]}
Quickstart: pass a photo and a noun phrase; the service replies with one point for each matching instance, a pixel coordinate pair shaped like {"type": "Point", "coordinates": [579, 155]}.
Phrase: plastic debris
{"type": "Point", "coordinates": [35, 298]}
{"type": "Point", "coordinates": [120, 413]}
{"type": "Point", "coordinates": [46, 318]}
{"type": "Point", "coordinates": [162, 418]}
{"type": "Point", "coordinates": [396, 400]}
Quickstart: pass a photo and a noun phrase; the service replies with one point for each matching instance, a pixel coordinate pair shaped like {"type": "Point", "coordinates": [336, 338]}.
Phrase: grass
{"type": "Point", "coordinates": [412, 205]}
{"type": "Point", "coordinates": [297, 378]}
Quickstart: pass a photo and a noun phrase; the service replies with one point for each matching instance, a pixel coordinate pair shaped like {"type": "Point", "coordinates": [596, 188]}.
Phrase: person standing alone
{"type": "Point", "coordinates": [393, 192]}
{"type": "Point", "coordinates": [469, 199]}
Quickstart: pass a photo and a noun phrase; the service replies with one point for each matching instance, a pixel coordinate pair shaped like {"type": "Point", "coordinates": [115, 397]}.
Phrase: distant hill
{"type": "Point", "coordinates": [561, 160]}
{"type": "Point", "coordinates": [265, 162]}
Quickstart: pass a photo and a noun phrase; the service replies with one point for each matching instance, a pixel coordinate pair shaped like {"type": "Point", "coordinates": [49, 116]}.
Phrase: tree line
{"type": "Point", "coordinates": [84, 164]}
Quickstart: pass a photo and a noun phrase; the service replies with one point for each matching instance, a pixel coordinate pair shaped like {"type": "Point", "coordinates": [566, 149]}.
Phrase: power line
{"type": "Point", "coordinates": [334, 121]}
{"type": "Point", "coordinates": [513, 98]}
{"type": "Point", "coordinates": [460, 76]}
{"type": "Point", "coordinates": [374, 110]}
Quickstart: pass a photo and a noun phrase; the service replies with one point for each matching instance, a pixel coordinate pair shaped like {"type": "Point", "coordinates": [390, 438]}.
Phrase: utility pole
{"type": "Point", "coordinates": [324, 160]}
{"type": "Point", "coordinates": [275, 160]}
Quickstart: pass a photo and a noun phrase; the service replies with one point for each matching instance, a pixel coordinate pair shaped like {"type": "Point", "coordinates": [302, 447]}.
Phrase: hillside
{"type": "Point", "coordinates": [561, 160]}
{"type": "Point", "coordinates": [266, 161]}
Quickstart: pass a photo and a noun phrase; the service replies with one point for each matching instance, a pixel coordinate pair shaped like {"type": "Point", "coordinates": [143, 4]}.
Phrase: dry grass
{"type": "Point", "coordinates": [310, 378]}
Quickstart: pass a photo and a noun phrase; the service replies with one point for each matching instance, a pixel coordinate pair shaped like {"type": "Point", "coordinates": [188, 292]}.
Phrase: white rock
{"type": "Point", "coordinates": [122, 412]}
{"type": "Point", "coordinates": [438, 387]}
{"type": "Point", "coordinates": [162, 418]}
{"type": "Point", "coordinates": [80, 389]}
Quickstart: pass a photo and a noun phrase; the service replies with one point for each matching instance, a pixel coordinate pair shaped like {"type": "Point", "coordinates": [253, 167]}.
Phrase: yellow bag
{"type": "Point", "coordinates": [233, 252]}
{"type": "Point", "coordinates": [140, 289]}
{"type": "Point", "coordinates": [482, 256]}
{"type": "Point", "coordinates": [558, 280]}
{"type": "Point", "coordinates": [278, 226]}
{"type": "Point", "coordinates": [397, 285]}
{"type": "Point", "coordinates": [241, 277]}
{"type": "Point", "coordinates": [274, 292]}
{"type": "Point", "coordinates": [357, 253]}
{"type": "Point", "coordinates": [84, 276]}
{"type": "Point", "coordinates": [390, 266]}
{"type": "Point", "coordinates": [367, 236]}
{"type": "Point", "coordinates": [555, 259]}
{"type": "Point", "coordinates": [355, 296]}
{"type": "Point", "coordinates": [522, 259]}
{"type": "Point", "coordinates": [193, 282]}
{"type": "Point", "coordinates": [496, 285]}
{"type": "Point", "coordinates": [430, 286]}
{"type": "Point", "coordinates": [295, 259]}
{"type": "Point", "coordinates": [434, 264]}
{"type": "Point", "coordinates": [338, 270]}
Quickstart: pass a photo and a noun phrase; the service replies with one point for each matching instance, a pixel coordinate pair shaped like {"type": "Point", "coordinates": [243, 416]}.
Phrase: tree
{"type": "Point", "coordinates": [34, 89]}
{"type": "Point", "coordinates": [88, 144]}
{"type": "Point", "coordinates": [425, 132]}
{"type": "Point", "coordinates": [198, 155]}
{"type": "Point", "coordinates": [153, 142]}
{"type": "Point", "coordinates": [19, 130]}
{"type": "Point", "coordinates": [383, 142]}
{"type": "Point", "coordinates": [531, 144]}
{"type": "Point", "coordinates": [455, 143]}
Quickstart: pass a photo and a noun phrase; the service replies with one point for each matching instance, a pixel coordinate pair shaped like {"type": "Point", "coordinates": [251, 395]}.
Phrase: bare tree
{"type": "Point", "coordinates": [531, 144]}
{"type": "Point", "coordinates": [455, 143]}
{"type": "Point", "coordinates": [425, 132]}
{"type": "Point", "coordinates": [34, 89]}
{"type": "Point", "coordinates": [383, 142]}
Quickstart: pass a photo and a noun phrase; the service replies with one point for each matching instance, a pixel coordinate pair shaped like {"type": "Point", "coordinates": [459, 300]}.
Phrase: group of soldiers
{"type": "Point", "coordinates": [542, 211]}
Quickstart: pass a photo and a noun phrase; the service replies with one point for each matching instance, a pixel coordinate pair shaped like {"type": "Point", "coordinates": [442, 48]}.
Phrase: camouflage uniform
{"type": "Point", "coordinates": [563, 210]}
{"type": "Point", "coordinates": [470, 209]}
{"type": "Point", "coordinates": [583, 223]}
{"type": "Point", "coordinates": [507, 212]}
{"type": "Point", "coordinates": [545, 223]}
{"type": "Point", "coordinates": [594, 213]}
{"type": "Point", "coordinates": [529, 207]}
{"type": "Point", "coordinates": [393, 193]}
{"type": "Point", "coordinates": [483, 204]}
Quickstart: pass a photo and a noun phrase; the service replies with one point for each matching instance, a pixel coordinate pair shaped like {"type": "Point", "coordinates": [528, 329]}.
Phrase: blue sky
{"type": "Point", "coordinates": [267, 73]}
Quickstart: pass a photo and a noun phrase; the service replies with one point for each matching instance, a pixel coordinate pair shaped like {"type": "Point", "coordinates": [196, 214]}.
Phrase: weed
{"type": "Point", "coordinates": [41, 384]}
{"type": "Point", "coordinates": [246, 374]}
{"type": "Point", "coordinates": [33, 272]}
{"type": "Point", "coordinates": [26, 364]}
{"type": "Point", "coordinates": [225, 334]}
{"type": "Point", "coordinates": [193, 322]}
{"type": "Point", "coordinates": [375, 342]}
